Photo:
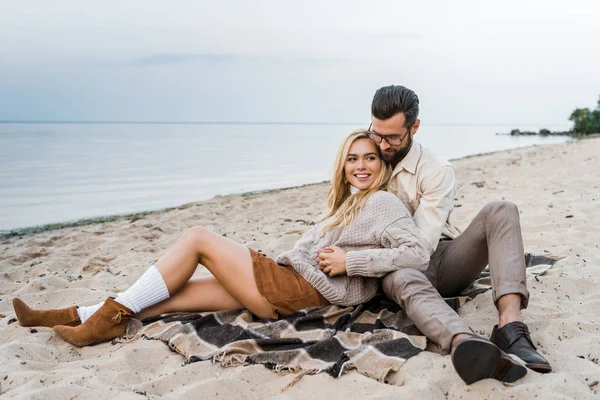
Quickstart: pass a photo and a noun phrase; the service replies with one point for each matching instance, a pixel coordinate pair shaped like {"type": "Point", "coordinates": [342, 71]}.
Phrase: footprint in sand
{"type": "Point", "coordinates": [28, 256]}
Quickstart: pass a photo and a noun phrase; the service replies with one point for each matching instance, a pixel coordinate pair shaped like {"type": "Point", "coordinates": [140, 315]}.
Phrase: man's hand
{"type": "Point", "coordinates": [332, 260]}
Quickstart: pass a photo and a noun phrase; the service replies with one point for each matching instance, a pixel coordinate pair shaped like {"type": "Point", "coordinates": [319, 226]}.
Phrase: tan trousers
{"type": "Point", "coordinates": [493, 237]}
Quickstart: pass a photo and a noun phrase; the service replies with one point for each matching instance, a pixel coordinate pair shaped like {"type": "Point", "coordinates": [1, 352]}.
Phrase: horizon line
{"type": "Point", "coordinates": [257, 123]}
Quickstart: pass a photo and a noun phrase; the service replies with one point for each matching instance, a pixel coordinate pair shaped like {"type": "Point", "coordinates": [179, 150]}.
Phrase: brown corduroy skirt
{"type": "Point", "coordinates": [283, 287]}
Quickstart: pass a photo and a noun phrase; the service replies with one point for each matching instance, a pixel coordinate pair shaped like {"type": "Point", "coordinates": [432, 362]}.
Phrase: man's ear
{"type": "Point", "coordinates": [415, 127]}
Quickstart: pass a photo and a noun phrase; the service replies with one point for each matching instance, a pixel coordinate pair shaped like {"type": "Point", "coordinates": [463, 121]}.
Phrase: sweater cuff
{"type": "Point", "coordinates": [357, 263]}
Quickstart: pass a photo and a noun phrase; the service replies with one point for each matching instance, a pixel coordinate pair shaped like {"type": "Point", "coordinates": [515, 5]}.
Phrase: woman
{"type": "Point", "coordinates": [364, 234]}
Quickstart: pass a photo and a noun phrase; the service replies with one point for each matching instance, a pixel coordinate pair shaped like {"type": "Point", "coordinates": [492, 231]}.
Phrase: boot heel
{"type": "Point", "coordinates": [475, 359]}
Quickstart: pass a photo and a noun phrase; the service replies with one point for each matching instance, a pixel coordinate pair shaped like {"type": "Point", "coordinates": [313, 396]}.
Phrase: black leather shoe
{"type": "Point", "coordinates": [476, 358]}
{"type": "Point", "coordinates": [514, 338]}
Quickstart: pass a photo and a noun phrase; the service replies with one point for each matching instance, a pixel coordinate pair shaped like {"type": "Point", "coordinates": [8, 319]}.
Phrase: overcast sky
{"type": "Point", "coordinates": [512, 62]}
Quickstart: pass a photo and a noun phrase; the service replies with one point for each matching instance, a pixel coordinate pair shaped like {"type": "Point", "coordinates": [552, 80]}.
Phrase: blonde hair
{"type": "Point", "coordinates": [342, 205]}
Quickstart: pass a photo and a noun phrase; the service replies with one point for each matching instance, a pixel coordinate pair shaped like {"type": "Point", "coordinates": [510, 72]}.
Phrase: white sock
{"type": "Point", "coordinates": [148, 290]}
{"type": "Point", "coordinates": [86, 311]}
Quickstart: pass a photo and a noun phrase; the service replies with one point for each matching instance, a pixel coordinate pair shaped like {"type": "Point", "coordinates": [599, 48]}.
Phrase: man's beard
{"type": "Point", "coordinates": [398, 156]}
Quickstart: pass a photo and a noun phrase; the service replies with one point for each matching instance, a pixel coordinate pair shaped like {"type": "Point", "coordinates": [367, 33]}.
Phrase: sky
{"type": "Point", "coordinates": [470, 62]}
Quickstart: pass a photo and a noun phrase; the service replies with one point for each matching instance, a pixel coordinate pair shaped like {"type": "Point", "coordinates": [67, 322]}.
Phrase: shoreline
{"type": "Point", "coordinates": [30, 230]}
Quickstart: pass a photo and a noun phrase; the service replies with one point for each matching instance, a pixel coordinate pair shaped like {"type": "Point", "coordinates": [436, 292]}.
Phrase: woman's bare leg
{"type": "Point", "coordinates": [203, 294]}
{"type": "Point", "coordinates": [229, 262]}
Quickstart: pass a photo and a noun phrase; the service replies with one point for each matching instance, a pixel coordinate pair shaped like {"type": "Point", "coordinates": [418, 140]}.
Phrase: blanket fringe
{"type": "Point", "coordinates": [301, 375]}
{"type": "Point", "coordinates": [285, 370]}
{"type": "Point", "coordinates": [230, 360]}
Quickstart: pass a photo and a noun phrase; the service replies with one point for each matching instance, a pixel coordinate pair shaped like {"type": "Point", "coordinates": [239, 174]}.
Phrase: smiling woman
{"type": "Point", "coordinates": [363, 164]}
{"type": "Point", "coordinates": [358, 153]}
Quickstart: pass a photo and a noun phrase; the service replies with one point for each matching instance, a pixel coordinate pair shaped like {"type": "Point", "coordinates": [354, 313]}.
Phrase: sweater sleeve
{"type": "Point", "coordinates": [405, 246]}
{"type": "Point", "coordinates": [302, 245]}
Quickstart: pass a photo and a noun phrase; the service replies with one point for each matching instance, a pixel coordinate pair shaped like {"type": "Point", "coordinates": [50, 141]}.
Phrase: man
{"type": "Point", "coordinates": [426, 184]}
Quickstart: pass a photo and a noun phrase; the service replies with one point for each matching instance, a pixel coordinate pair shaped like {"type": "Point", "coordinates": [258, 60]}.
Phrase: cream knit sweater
{"type": "Point", "coordinates": [382, 238]}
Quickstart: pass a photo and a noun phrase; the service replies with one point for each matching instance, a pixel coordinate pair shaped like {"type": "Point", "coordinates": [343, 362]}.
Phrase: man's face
{"type": "Point", "coordinates": [395, 126]}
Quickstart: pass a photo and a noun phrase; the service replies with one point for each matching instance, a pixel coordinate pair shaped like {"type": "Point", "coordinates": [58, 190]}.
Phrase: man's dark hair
{"type": "Point", "coordinates": [391, 100]}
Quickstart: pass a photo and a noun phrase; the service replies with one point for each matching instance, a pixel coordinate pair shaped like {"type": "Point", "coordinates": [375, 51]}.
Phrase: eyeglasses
{"type": "Point", "coordinates": [392, 140]}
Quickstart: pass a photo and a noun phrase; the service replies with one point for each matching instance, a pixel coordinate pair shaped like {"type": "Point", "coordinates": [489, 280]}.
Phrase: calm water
{"type": "Point", "coordinates": [62, 172]}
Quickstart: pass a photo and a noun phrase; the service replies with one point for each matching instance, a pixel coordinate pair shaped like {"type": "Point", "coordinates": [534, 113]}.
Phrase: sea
{"type": "Point", "coordinates": [62, 172]}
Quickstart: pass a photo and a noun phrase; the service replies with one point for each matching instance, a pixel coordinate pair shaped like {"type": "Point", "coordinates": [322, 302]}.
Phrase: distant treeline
{"type": "Point", "coordinates": [586, 122]}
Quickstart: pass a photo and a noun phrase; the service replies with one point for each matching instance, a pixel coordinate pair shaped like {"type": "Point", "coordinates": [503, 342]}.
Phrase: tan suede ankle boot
{"type": "Point", "coordinates": [108, 322]}
{"type": "Point", "coordinates": [49, 318]}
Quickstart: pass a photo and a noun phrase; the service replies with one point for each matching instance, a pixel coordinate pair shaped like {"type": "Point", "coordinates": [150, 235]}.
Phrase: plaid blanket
{"type": "Point", "coordinates": [374, 338]}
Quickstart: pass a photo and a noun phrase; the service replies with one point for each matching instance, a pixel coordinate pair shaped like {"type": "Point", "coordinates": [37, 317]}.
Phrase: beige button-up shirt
{"type": "Point", "coordinates": [426, 184]}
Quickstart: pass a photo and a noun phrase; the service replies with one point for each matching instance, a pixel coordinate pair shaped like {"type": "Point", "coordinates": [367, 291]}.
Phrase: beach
{"type": "Point", "coordinates": [557, 190]}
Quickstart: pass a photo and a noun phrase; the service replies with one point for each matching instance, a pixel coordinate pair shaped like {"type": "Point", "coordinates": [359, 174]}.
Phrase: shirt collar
{"type": "Point", "coordinates": [409, 162]}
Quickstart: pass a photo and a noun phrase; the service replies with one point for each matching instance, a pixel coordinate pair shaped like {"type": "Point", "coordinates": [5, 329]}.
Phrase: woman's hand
{"type": "Point", "coordinates": [332, 260]}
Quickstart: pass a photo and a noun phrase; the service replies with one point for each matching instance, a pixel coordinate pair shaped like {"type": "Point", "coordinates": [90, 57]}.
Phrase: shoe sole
{"type": "Point", "coordinates": [541, 368]}
{"type": "Point", "coordinates": [476, 359]}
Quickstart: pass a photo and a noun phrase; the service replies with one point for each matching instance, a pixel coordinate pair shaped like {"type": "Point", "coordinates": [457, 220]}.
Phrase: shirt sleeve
{"type": "Point", "coordinates": [436, 203]}
{"type": "Point", "coordinates": [404, 244]}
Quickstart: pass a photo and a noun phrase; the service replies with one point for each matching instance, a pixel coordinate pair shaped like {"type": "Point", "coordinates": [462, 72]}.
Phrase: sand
{"type": "Point", "coordinates": [556, 188]}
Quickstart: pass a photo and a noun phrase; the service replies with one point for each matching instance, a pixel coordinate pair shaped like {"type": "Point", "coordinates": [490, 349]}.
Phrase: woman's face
{"type": "Point", "coordinates": [363, 164]}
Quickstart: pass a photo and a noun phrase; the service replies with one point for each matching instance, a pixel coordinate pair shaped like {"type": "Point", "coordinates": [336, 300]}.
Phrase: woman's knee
{"type": "Point", "coordinates": [199, 237]}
